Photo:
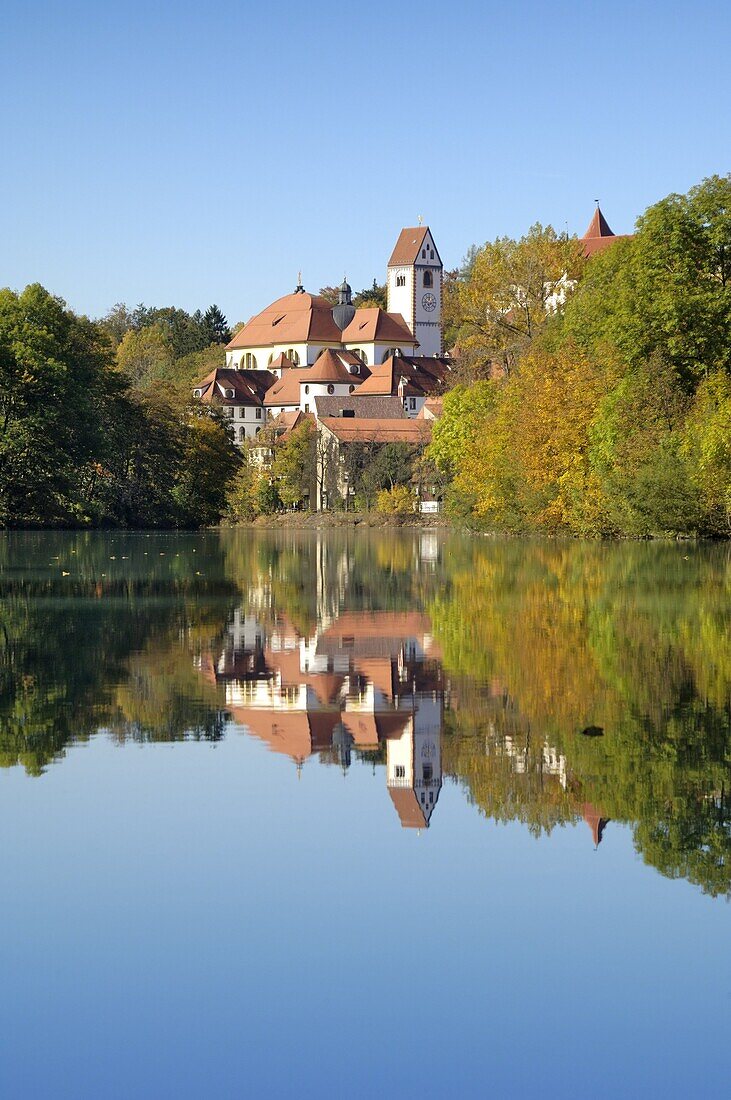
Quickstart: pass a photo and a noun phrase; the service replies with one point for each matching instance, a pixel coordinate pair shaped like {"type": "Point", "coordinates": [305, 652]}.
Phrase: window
{"type": "Point", "coordinates": [197, 393]}
{"type": "Point", "coordinates": [250, 361]}
{"type": "Point", "coordinates": [431, 253]}
{"type": "Point", "coordinates": [360, 354]}
{"type": "Point", "coordinates": [400, 771]}
{"type": "Point", "coordinates": [258, 414]}
{"type": "Point", "coordinates": [229, 411]}
{"type": "Point", "coordinates": [400, 280]}
{"type": "Point", "coordinates": [412, 402]}
{"type": "Point", "coordinates": [293, 356]}
{"type": "Point", "coordinates": [242, 413]}
{"type": "Point", "coordinates": [423, 253]}
{"type": "Point", "coordinates": [351, 389]}
{"type": "Point", "coordinates": [307, 389]}
{"type": "Point", "coordinates": [242, 435]}
{"type": "Point", "coordinates": [307, 408]}
{"type": "Point", "coordinates": [427, 773]}
{"type": "Point", "coordinates": [331, 389]}
{"type": "Point", "coordinates": [389, 352]}
{"type": "Point", "coordinates": [428, 278]}
{"type": "Point", "coordinates": [229, 393]}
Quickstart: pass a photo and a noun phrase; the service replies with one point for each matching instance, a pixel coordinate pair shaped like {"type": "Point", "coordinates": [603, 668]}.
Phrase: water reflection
{"type": "Point", "coordinates": [549, 683]}
{"type": "Point", "coordinates": [368, 684]}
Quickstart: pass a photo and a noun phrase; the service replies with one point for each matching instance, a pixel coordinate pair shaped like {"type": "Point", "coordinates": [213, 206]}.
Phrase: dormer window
{"type": "Point", "coordinates": [278, 319]}
{"type": "Point", "coordinates": [229, 393]}
{"type": "Point", "coordinates": [197, 393]}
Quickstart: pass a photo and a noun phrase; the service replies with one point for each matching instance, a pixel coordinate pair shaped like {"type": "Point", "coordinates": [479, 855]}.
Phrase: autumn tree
{"type": "Point", "coordinates": [512, 290]}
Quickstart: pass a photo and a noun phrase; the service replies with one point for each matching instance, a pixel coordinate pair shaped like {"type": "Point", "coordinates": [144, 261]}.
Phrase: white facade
{"type": "Point", "coordinates": [245, 420]}
{"type": "Point", "coordinates": [415, 291]}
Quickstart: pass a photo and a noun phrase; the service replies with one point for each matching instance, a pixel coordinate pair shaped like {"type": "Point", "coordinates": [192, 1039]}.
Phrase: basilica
{"type": "Point", "coordinates": [301, 347]}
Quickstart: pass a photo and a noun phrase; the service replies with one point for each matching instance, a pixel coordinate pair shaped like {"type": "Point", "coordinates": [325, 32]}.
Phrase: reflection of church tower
{"type": "Point", "coordinates": [414, 763]}
{"type": "Point", "coordinates": [595, 821]}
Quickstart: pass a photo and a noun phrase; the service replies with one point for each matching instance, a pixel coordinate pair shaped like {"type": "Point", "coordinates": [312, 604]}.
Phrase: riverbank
{"type": "Point", "coordinates": [321, 520]}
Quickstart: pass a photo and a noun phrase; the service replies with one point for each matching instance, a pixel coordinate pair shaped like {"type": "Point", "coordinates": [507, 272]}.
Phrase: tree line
{"type": "Point", "coordinates": [595, 395]}
{"type": "Point", "coordinates": [97, 423]}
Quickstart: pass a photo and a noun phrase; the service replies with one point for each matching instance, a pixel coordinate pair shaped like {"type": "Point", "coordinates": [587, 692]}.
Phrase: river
{"type": "Point", "coordinates": [360, 813]}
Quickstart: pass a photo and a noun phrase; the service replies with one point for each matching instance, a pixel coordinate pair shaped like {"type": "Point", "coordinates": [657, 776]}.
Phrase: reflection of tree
{"type": "Point", "coordinates": [633, 640]}
{"type": "Point", "coordinates": [541, 644]}
{"type": "Point", "coordinates": [109, 645]}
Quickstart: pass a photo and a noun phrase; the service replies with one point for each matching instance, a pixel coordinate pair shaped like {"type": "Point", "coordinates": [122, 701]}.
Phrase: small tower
{"type": "Point", "coordinates": [414, 286]}
{"type": "Point", "coordinates": [344, 312]}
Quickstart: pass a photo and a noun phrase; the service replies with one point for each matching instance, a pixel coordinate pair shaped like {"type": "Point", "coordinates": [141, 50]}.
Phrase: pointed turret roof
{"type": "Point", "coordinates": [598, 235]}
{"type": "Point", "coordinates": [598, 226]}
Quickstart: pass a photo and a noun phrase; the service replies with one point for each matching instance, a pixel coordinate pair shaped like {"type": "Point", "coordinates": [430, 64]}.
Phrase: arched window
{"type": "Point", "coordinates": [360, 354]}
{"type": "Point", "coordinates": [389, 352]}
{"type": "Point", "coordinates": [242, 434]}
{"type": "Point", "coordinates": [250, 361]}
{"type": "Point", "coordinates": [428, 278]}
{"type": "Point", "coordinates": [330, 388]}
{"type": "Point", "coordinates": [293, 356]}
{"type": "Point", "coordinates": [351, 389]}
{"type": "Point", "coordinates": [400, 280]}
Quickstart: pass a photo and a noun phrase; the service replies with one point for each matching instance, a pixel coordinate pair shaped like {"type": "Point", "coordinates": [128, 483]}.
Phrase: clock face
{"type": "Point", "coordinates": [429, 302]}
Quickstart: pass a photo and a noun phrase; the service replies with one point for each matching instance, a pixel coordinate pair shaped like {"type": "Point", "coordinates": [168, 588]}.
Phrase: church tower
{"type": "Point", "coordinates": [414, 284]}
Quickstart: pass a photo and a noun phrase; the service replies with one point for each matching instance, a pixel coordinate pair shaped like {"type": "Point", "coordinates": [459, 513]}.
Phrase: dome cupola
{"type": "Point", "coordinates": [344, 311]}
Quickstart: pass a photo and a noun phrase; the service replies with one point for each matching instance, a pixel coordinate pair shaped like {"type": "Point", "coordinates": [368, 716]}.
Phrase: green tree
{"type": "Point", "coordinates": [668, 289]}
{"type": "Point", "coordinates": [375, 295]}
{"type": "Point", "coordinates": [294, 466]}
{"type": "Point", "coordinates": [216, 326]}
{"type": "Point", "coordinates": [56, 391]}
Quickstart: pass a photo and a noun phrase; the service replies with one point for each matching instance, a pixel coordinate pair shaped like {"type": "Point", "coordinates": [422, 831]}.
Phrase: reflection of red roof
{"type": "Point", "coordinates": [379, 624]}
{"type": "Point", "coordinates": [595, 821]}
{"type": "Point", "coordinates": [294, 733]}
{"type": "Point", "coordinates": [408, 808]}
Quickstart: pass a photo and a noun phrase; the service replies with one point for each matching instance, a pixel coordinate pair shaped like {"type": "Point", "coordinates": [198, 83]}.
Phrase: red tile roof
{"type": "Point", "coordinates": [249, 386]}
{"type": "Point", "coordinates": [355, 430]}
{"type": "Point", "coordinates": [425, 375]}
{"type": "Point", "coordinates": [408, 246]}
{"type": "Point", "coordinates": [374, 324]}
{"type": "Point", "coordinates": [293, 319]}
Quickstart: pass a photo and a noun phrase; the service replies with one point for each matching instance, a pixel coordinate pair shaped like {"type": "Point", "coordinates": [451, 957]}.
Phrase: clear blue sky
{"type": "Point", "coordinates": [179, 153]}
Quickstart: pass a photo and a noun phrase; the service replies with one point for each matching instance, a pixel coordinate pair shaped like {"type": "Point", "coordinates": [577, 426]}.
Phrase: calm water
{"type": "Point", "coordinates": [363, 814]}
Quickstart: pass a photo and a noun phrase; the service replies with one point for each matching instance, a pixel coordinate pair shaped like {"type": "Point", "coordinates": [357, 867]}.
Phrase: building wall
{"type": "Point", "coordinates": [244, 416]}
